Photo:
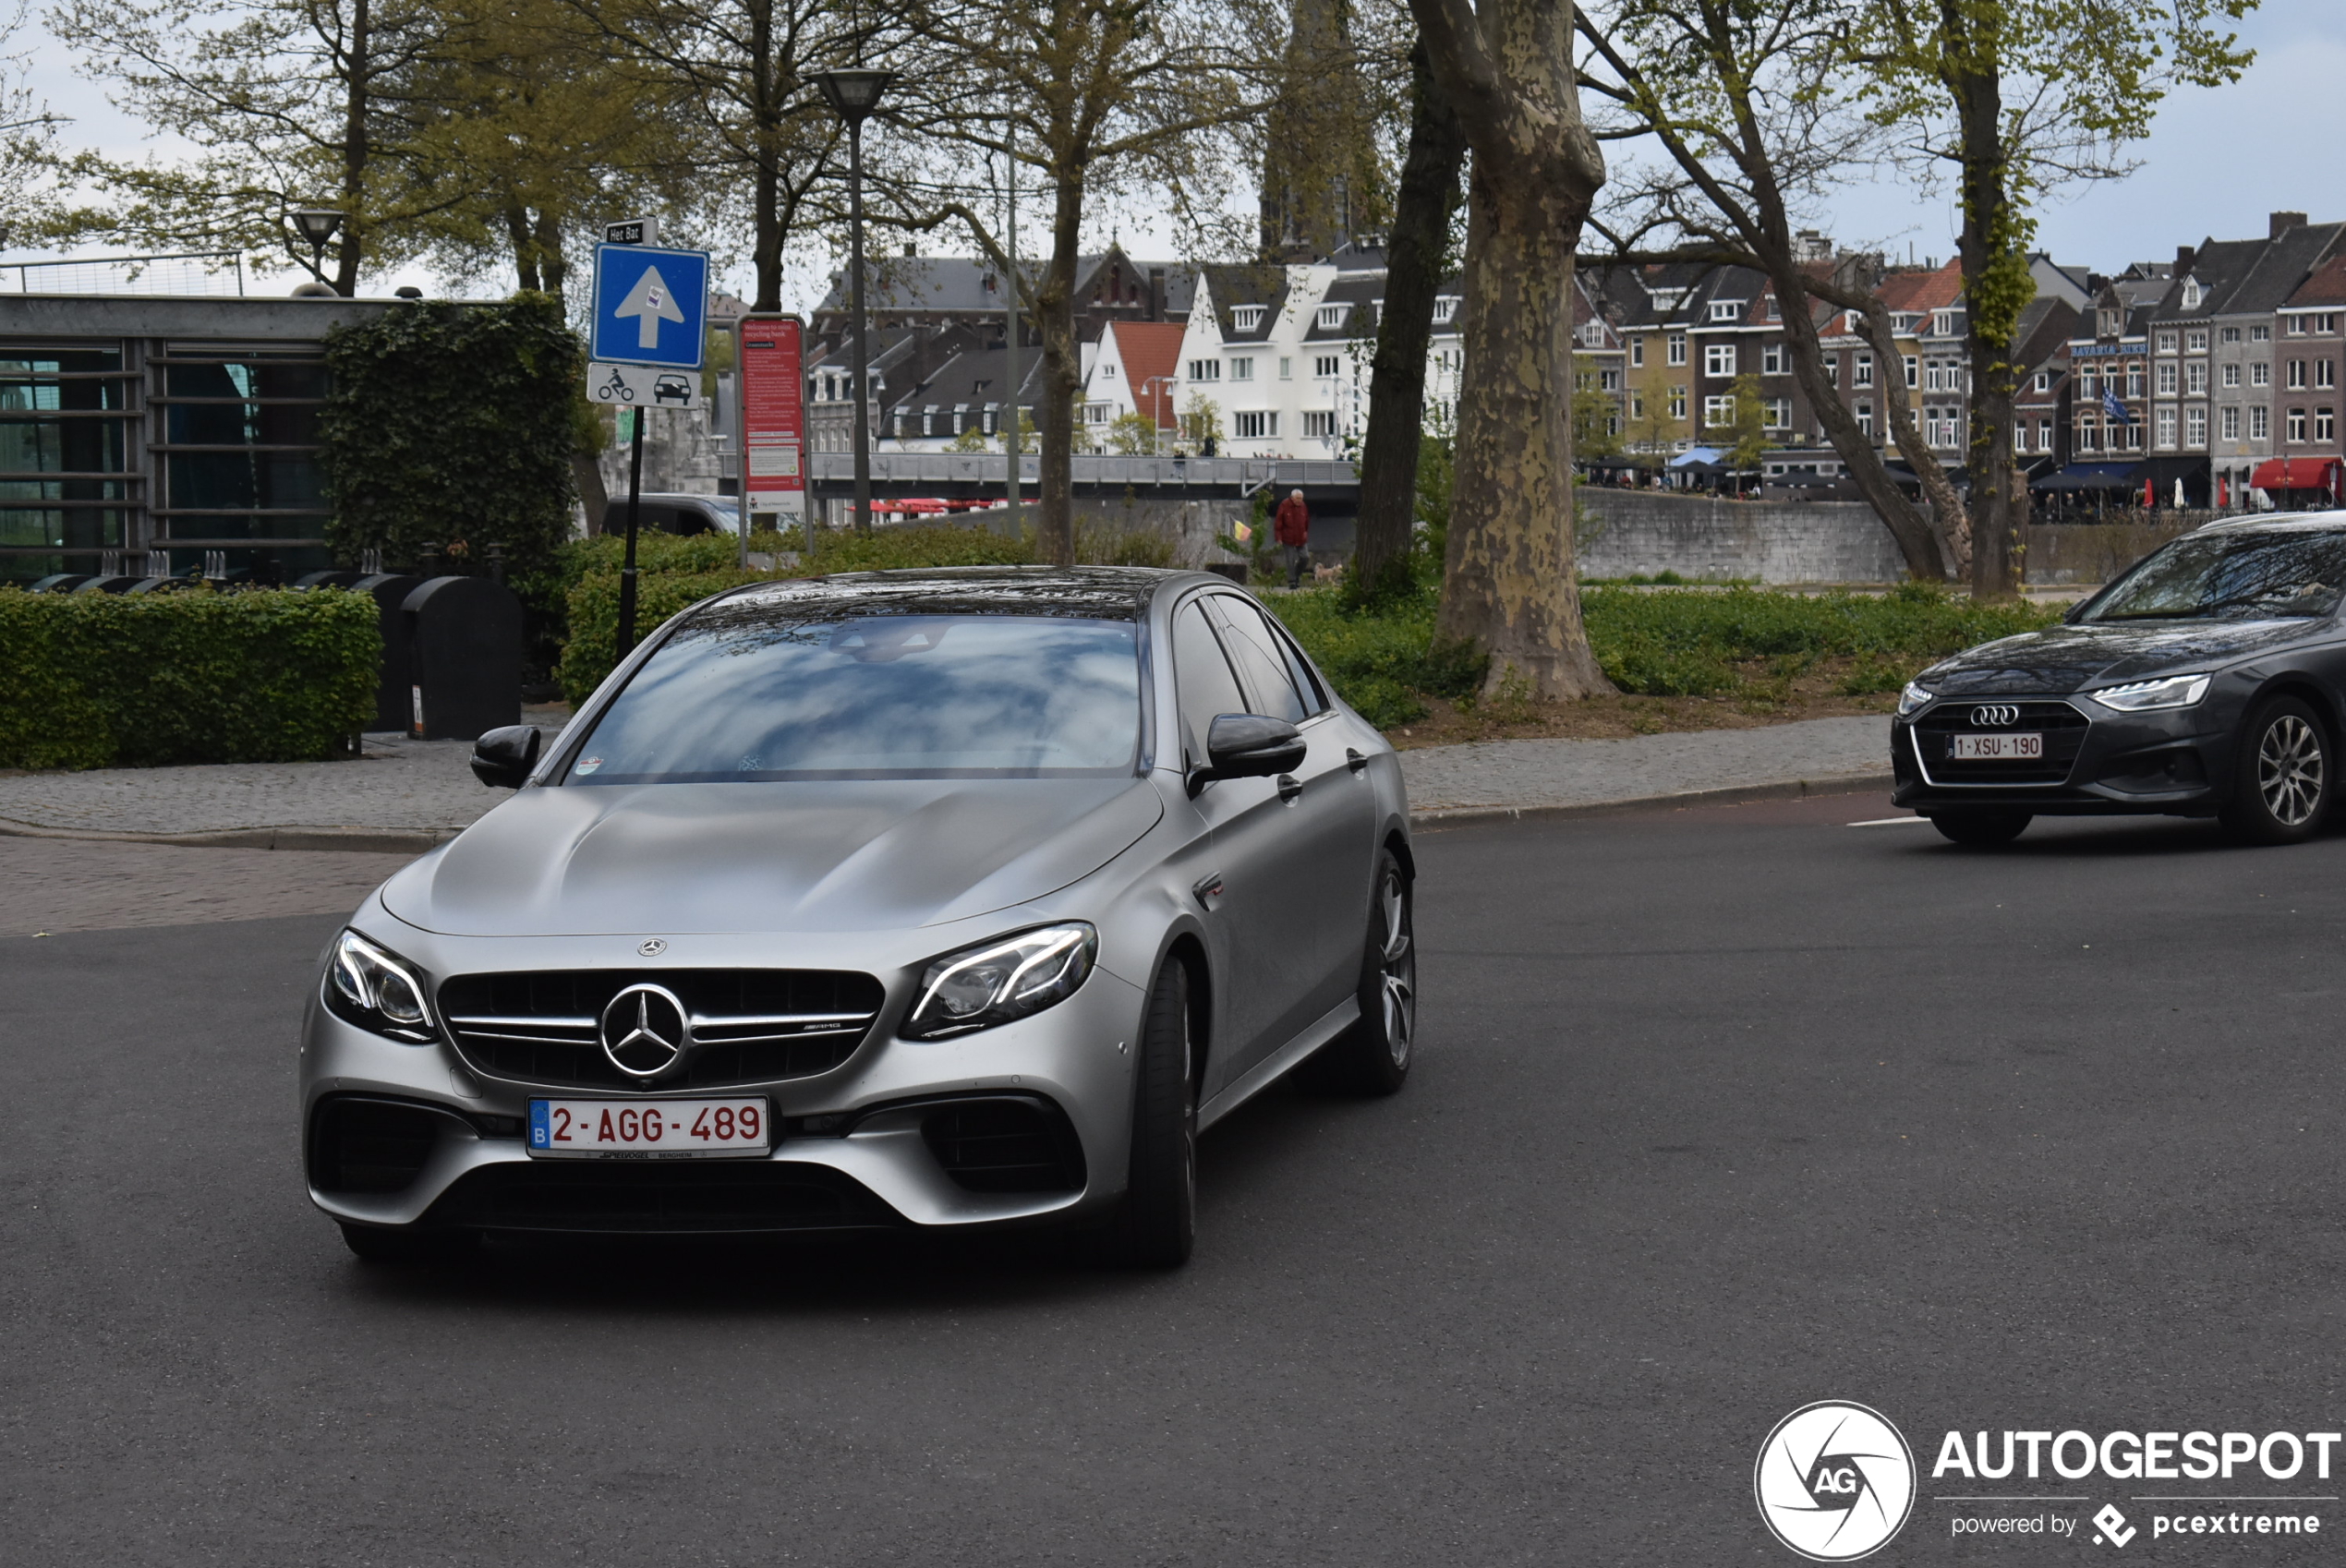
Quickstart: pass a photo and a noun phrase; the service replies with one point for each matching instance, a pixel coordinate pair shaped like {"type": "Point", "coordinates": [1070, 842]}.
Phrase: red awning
{"type": "Point", "coordinates": [2295, 474]}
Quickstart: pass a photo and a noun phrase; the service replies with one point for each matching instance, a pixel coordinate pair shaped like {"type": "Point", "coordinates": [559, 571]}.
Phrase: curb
{"type": "Point", "coordinates": [379, 840]}
{"type": "Point", "coordinates": [1733, 794]}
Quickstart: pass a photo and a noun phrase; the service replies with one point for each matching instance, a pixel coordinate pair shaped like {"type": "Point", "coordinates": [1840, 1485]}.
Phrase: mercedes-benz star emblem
{"type": "Point", "coordinates": [653, 948]}
{"type": "Point", "coordinates": [645, 1031]}
{"type": "Point", "coordinates": [1994, 715]}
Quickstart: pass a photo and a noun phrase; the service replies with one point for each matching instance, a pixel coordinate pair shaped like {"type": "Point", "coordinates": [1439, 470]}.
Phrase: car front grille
{"type": "Point", "coordinates": [1016, 1143]}
{"type": "Point", "coordinates": [2063, 727]}
{"type": "Point", "coordinates": [678, 1197]}
{"type": "Point", "coordinates": [749, 1026]}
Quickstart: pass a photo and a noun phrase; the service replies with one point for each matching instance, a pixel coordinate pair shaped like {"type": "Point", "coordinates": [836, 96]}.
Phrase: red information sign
{"type": "Point", "coordinates": [773, 416]}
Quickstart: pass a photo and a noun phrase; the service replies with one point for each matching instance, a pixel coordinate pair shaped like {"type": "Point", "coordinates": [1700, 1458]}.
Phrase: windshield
{"type": "Point", "coordinates": [756, 696]}
{"type": "Point", "coordinates": [2231, 576]}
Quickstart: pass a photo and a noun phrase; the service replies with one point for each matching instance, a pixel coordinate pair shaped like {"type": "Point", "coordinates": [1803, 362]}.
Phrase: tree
{"type": "Point", "coordinates": [289, 102]}
{"type": "Point", "coordinates": [2019, 97]}
{"type": "Point", "coordinates": [1132, 435]}
{"type": "Point", "coordinates": [28, 134]}
{"type": "Point", "coordinates": [1099, 94]}
{"type": "Point", "coordinates": [1596, 420]}
{"type": "Point", "coordinates": [1321, 180]}
{"type": "Point", "coordinates": [1747, 431]}
{"type": "Point", "coordinates": [1508, 583]}
{"type": "Point", "coordinates": [1417, 253]}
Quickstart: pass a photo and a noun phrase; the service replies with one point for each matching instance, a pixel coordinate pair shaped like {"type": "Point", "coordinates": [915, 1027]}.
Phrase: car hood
{"type": "Point", "coordinates": [752, 858]}
{"type": "Point", "coordinates": [2070, 659]}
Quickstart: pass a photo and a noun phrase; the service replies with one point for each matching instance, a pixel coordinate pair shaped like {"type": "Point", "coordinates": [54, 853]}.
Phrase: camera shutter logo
{"type": "Point", "coordinates": [1834, 1482]}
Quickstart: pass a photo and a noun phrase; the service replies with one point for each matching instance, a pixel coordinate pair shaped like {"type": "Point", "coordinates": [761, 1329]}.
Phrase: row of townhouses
{"type": "Point", "coordinates": [2216, 372]}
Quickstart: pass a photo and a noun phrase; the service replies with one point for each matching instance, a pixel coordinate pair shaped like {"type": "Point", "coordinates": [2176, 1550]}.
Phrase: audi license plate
{"type": "Point", "coordinates": [653, 1129]}
{"type": "Point", "coordinates": [1998, 748]}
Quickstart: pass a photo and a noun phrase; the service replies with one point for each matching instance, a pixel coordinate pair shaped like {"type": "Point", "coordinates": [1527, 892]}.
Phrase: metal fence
{"type": "Point", "coordinates": [216, 273]}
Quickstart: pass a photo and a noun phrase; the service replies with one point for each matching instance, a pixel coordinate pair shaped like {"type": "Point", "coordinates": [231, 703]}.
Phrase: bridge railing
{"type": "Point", "coordinates": [1242, 474]}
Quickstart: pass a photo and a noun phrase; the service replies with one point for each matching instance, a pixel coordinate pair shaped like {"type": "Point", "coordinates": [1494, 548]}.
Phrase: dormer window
{"type": "Point", "coordinates": [1903, 320]}
{"type": "Point", "coordinates": [1331, 317]}
{"type": "Point", "coordinates": [1726, 309]}
{"type": "Point", "coordinates": [1446, 310]}
{"type": "Point", "coordinates": [1943, 323]}
{"type": "Point", "coordinates": [2109, 328]}
{"type": "Point", "coordinates": [2191, 293]}
{"type": "Point", "coordinates": [1246, 318]}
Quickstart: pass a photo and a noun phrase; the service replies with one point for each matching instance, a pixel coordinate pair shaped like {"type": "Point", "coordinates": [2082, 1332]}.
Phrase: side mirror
{"type": "Point", "coordinates": [502, 759]}
{"type": "Point", "coordinates": [1248, 745]}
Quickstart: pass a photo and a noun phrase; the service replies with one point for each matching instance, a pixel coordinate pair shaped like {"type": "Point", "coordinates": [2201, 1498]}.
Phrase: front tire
{"type": "Point", "coordinates": [1372, 1056]}
{"type": "Point", "coordinates": [2281, 783]}
{"type": "Point", "coordinates": [1980, 830]}
{"type": "Point", "coordinates": [1156, 1224]}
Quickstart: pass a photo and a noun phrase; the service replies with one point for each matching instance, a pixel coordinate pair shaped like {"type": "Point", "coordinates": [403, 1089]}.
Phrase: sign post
{"type": "Point", "coordinates": [645, 348]}
{"type": "Point", "coordinates": [773, 423]}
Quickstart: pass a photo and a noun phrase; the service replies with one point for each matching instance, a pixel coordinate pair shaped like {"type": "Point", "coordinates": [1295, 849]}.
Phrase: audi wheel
{"type": "Point", "coordinates": [2281, 782]}
{"type": "Point", "coordinates": [1980, 830]}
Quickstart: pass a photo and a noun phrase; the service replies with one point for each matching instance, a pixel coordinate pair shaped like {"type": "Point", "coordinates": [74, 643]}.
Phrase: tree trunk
{"type": "Point", "coordinates": [553, 270]}
{"type": "Point", "coordinates": [357, 108]}
{"type": "Point", "coordinates": [1428, 196]}
{"type": "Point", "coordinates": [1061, 377]}
{"type": "Point", "coordinates": [525, 247]}
{"type": "Point", "coordinates": [1898, 412]}
{"type": "Point", "coordinates": [766, 229]}
{"type": "Point", "coordinates": [1994, 295]}
{"type": "Point", "coordinates": [588, 474]}
{"type": "Point", "coordinates": [1508, 583]}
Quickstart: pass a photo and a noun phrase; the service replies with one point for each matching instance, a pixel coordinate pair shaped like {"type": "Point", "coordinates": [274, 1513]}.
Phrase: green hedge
{"type": "Point", "coordinates": [144, 680]}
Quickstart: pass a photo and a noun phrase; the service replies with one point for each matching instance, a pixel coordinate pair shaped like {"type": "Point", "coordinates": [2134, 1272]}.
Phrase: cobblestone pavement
{"type": "Point", "coordinates": [55, 885]}
{"type": "Point", "coordinates": [398, 783]}
{"type": "Point", "coordinates": [1534, 773]}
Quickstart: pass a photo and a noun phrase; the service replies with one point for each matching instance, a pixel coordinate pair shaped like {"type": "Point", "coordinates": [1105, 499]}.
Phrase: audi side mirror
{"type": "Point", "coordinates": [503, 759]}
{"type": "Point", "coordinates": [1248, 745]}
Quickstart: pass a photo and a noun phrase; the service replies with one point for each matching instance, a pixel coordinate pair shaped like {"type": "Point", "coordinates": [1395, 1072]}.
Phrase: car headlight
{"type": "Point", "coordinates": [1010, 977]}
{"type": "Point", "coordinates": [369, 987]}
{"type": "Point", "coordinates": [1912, 697]}
{"type": "Point", "coordinates": [2138, 697]}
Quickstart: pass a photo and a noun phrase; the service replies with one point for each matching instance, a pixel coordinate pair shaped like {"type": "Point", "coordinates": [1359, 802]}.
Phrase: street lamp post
{"type": "Point", "coordinates": [854, 95]}
{"type": "Point", "coordinates": [316, 225]}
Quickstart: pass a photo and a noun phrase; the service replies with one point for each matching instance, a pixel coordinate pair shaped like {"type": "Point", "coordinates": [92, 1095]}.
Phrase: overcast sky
{"type": "Point", "coordinates": [2216, 163]}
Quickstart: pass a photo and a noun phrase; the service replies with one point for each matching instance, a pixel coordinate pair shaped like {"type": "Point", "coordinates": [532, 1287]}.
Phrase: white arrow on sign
{"type": "Point", "coordinates": [651, 304]}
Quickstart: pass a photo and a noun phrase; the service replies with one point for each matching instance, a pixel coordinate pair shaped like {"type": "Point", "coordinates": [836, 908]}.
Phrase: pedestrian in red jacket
{"type": "Point", "coordinates": [1292, 527]}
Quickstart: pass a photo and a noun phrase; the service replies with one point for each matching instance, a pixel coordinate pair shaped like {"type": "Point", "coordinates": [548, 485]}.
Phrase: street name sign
{"type": "Point", "coordinates": [641, 386]}
{"type": "Point", "coordinates": [631, 231]}
{"type": "Point", "coordinates": [651, 305]}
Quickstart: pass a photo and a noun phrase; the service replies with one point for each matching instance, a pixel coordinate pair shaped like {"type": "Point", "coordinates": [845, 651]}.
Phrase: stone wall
{"type": "Point", "coordinates": [1645, 533]}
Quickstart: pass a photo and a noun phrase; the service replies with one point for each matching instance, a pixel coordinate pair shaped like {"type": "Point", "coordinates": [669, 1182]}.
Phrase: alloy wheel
{"type": "Point", "coordinates": [1397, 966]}
{"type": "Point", "coordinates": [2289, 770]}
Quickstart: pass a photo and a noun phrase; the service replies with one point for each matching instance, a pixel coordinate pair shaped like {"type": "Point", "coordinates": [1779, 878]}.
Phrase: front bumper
{"type": "Point", "coordinates": [857, 1144]}
{"type": "Point", "coordinates": [2175, 762]}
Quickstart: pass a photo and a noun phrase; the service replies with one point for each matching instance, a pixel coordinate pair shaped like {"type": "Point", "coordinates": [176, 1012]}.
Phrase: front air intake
{"type": "Point", "coordinates": [1015, 1144]}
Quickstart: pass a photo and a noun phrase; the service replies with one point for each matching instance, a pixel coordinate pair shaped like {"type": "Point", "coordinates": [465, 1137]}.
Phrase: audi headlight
{"type": "Point", "coordinates": [372, 988]}
{"type": "Point", "coordinates": [1912, 697]}
{"type": "Point", "coordinates": [2140, 696]}
{"type": "Point", "coordinates": [1010, 977]}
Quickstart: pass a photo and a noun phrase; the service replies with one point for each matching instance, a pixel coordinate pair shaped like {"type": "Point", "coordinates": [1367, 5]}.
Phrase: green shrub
{"type": "Point", "coordinates": [144, 680]}
{"type": "Point", "coordinates": [1383, 660]}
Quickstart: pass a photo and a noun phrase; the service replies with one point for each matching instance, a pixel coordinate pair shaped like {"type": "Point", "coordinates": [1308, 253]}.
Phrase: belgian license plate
{"type": "Point", "coordinates": [1998, 748]}
{"type": "Point", "coordinates": [649, 1129]}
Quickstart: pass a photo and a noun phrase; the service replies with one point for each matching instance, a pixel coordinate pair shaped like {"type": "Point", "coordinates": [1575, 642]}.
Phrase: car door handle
{"type": "Point", "coordinates": [1289, 785]}
{"type": "Point", "coordinates": [1354, 760]}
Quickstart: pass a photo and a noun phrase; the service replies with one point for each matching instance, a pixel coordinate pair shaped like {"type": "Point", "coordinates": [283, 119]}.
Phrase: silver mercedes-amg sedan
{"type": "Point", "coordinates": [942, 900]}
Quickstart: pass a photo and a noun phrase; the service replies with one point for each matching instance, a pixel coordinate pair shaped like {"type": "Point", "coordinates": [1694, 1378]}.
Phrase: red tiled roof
{"type": "Point", "coordinates": [1924, 291]}
{"type": "Point", "coordinates": [2326, 285]}
{"type": "Point", "coordinates": [1151, 352]}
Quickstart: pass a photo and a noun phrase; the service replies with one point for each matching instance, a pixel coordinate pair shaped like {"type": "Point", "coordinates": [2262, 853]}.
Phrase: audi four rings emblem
{"type": "Point", "coordinates": [645, 1031]}
{"type": "Point", "coordinates": [1995, 715]}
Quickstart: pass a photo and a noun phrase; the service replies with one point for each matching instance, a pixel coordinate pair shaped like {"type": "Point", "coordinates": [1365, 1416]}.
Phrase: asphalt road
{"type": "Point", "coordinates": [1718, 1113]}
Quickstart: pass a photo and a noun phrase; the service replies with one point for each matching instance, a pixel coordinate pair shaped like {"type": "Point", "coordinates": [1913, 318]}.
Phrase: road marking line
{"type": "Point", "coordinates": [1885, 822]}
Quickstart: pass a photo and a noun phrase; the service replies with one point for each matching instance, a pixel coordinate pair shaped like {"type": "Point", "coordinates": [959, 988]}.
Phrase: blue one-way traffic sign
{"type": "Point", "coordinates": [651, 305]}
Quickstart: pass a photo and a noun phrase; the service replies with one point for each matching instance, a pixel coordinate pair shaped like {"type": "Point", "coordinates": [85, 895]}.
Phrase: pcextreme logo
{"type": "Point", "coordinates": [1834, 1482]}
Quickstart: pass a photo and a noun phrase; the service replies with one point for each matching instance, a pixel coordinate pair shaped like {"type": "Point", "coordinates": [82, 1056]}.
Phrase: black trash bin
{"type": "Point", "coordinates": [464, 658]}
{"type": "Point", "coordinates": [108, 585]}
{"type": "Point", "coordinates": [393, 702]}
{"type": "Point", "coordinates": [328, 580]}
{"type": "Point", "coordinates": [58, 582]}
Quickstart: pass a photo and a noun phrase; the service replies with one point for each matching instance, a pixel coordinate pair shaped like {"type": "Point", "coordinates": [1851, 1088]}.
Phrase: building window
{"type": "Point", "coordinates": [1864, 377]}
{"type": "Point", "coordinates": [2134, 380]}
{"type": "Point", "coordinates": [1246, 318]}
{"type": "Point", "coordinates": [1287, 369]}
{"type": "Point", "coordinates": [1446, 310]}
{"type": "Point", "coordinates": [1771, 359]}
{"type": "Point", "coordinates": [2089, 435]}
{"type": "Point", "coordinates": [2164, 421]}
{"type": "Point", "coordinates": [1911, 368]}
{"type": "Point", "coordinates": [1637, 351]}
{"type": "Point", "coordinates": [1832, 370]}
{"type": "Point", "coordinates": [2260, 374]}
{"type": "Point", "coordinates": [2195, 376]}
{"type": "Point", "coordinates": [2228, 334]}
{"type": "Point", "coordinates": [1718, 411]}
{"type": "Point", "coordinates": [2194, 426]}
{"type": "Point", "coordinates": [1718, 359]}
{"type": "Point", "coordinates": [1864, 417]}
{"type": "Point", "coordinates": [2196, 341]}
{"type": "Point", "coordinates": [1678, 348]}
{"type": "Point", "coordinates": [2166, 381]}
{"type": "Point", "coordinates": [1677, 402]}
{"type": "Point", "coordinates": [2261, 332]}
{"type": "Point", "coordinates": [1726, 310]}
{"type": "Point", "coordinates": [1636, 405]}
{"type": "Point", "coordinates": [2044, 380]}
{"type": "Point", "coordinates": [1609, 379]}
{"type": "Point", "coordinates": [2260, 421]}
{"type": "Point", "coordinates": [2297, 326]}
{"type": "Point", "coordinates": [2087, 383]}
{"type": "Point", "coordinates": [1326, 365]}
{"type": "Point", "coordinates": [2166, 342]}
{"type": "Point", "coordinates": [1257, 425]}
{"type": "Point", "coordinates": [2325, 372]}
{"type": "Point", "coordinates": [2325, 425]}
{"type": "Point", "coordinates": [2228, 422]}
{"type": "Point", "coordinates": [2044, 435]}
{"type": "Point", "coordinates": [1331, 317]}
{"type": "Point", "coordinates": [990, 420]}
{"type": "Point", "coordinates": [2296, 424]}
{"type": "Point", "coordinates": [1779, 415]}
{"type": "Point", "coordinates": [2020, 435]}
{"type": "Point", "coordinates": [2296, 375]}
{"type": "Point", "coordinates": [1205, 370]}
{"type": "Point", "coordinates": [1903, 320]}
{"type": "Point", "coordinates": [2326, 323]}
{"type": "Point", "coordinates": [2228, 376]}
{"type": "Point", "coordinates": [1319, 424]}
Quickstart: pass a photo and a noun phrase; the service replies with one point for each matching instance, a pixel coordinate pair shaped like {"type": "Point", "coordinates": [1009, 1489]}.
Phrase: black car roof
{"type": "Point", "coordinates": [1091, 593]}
